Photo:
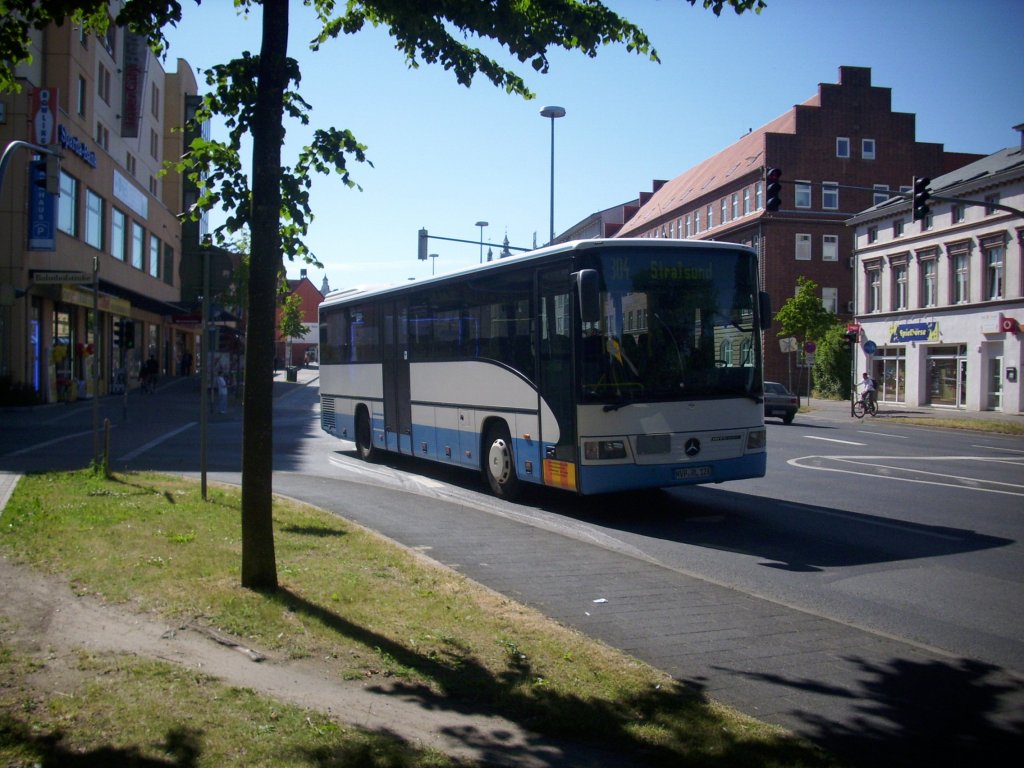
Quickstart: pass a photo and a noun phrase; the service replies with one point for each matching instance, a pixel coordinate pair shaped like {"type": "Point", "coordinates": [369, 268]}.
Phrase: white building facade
{"type": "Point", "coordinates": [940, 302]}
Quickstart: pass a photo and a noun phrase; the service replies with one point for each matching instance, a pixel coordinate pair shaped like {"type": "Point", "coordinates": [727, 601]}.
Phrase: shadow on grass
{"type": "Point", "coordinates": [50, 749]}
{"type": "Point", "coordinates": [579, 731]}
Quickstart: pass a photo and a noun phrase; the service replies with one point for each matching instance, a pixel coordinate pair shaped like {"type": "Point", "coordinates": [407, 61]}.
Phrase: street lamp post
{"type": "Point", "coordinates": [432, 262]}
{"type": "Point", "coordinates": [553, 113]}
{"type": "Point", "coordinates": [481, 224]}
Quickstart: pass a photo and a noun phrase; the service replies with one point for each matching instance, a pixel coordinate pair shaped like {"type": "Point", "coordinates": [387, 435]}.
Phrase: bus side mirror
{"type": "Point", "coordinates": [588, 292]}
{"type": "Point", "coordinates": [765, 302]}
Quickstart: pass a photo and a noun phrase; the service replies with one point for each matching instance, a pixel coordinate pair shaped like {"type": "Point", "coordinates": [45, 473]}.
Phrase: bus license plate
{"type": "Point", "coordinates": [687, 473]}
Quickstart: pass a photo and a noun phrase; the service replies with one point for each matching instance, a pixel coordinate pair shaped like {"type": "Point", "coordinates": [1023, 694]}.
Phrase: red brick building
{"type": "Point", "coordinates": [310, 297]}
{"type": "Point", "coordinates": [840, 152]}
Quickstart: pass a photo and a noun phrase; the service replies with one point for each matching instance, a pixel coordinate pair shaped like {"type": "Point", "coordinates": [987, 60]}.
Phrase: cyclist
{"type": "Point", "coordinates": [867, 387]}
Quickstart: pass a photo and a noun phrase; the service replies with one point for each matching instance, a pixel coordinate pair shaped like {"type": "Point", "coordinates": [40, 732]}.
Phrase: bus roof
{"type": "Point", "coordinates": [343, 296]}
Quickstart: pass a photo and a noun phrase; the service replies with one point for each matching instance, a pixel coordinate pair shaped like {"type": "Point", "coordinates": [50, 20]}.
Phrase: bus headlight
{"type": "Point", "coordinates": [604, 449]}
{"type": "Point", "coordinates": [757, 439]}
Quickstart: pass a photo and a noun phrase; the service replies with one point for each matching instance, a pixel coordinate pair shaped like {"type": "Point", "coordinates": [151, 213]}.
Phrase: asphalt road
{"type": "Point", "coordinates": [805, 599]}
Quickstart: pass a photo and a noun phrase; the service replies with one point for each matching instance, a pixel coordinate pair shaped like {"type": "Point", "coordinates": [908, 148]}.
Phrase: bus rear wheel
{"type": "Point", "coordinates": [500, 464]}
{"type": "Point", "coordinates": [364, 436]}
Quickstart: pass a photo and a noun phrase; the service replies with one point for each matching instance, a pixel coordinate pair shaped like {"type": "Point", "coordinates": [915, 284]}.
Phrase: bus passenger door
{"type": "Point", "coordinates": [397, 406]}
{"type": "Point", "coordinates": [556, 358]}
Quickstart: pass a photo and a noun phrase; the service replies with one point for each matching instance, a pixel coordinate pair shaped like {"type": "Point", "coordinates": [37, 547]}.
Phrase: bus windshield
{"type": "Point", "coordinates": [674, 325]}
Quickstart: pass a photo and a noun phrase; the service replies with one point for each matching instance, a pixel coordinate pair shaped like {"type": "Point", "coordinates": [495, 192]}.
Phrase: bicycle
{"type": "Point", "coordinates": [863, 406]}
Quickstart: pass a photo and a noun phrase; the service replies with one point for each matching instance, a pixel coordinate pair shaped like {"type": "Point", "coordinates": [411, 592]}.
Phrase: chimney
{"type": "Point", "coordinates": [1020, 129]}
{"type": "Point", "coordinates": [302, 274]}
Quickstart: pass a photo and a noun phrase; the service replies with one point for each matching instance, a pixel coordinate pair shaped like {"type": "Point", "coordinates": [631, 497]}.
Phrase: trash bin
{"type": "Point", "coordinates": [291, 373]}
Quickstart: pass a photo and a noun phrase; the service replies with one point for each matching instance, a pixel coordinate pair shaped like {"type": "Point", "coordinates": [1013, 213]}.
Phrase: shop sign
{"type": "Point", "coordinates": [911, 332]}
{"type": "Point", "coordinates": [43, 118]}
{"type": "Point", "coordinates": [76, 146]}
{"type": "Point", "coordinates": [105, 302]}
{"type": "Point", "coordinates": [42, 211]}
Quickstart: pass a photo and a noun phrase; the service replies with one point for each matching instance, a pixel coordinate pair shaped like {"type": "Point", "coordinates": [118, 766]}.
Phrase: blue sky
{"type": "Point", "coordinates": [445, 157]}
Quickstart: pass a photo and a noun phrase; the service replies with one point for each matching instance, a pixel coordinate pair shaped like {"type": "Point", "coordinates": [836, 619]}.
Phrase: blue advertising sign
{"type": "Point", "coordinates": [870, 347]}
{"type": "Point", "coordinates": [42, 210]}
{"type": "Point", "coordinates": [902, 334]}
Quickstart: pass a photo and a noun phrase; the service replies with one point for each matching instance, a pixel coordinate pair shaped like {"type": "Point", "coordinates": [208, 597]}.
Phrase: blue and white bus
{"type": "Point", "coordinates": [593, 366]}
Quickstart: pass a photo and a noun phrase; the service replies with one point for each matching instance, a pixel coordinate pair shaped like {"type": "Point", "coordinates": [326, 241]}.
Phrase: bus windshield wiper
{"type": "Point", "coordinates": [616, 406]}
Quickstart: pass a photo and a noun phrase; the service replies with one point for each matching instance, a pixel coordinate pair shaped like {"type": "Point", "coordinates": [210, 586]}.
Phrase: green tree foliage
{"type": "Point", "coordinates": [254, 93]}
{"type": "Point", "coordinates": [803, 315]}
{"type": "Point", "coordinates": [291, 326]}
{"type": "Point", "coordinates": [832, 362]}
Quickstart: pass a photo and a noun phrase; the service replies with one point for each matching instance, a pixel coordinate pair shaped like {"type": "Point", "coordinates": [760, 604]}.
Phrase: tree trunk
{"type": "Point", "coordinates": [259, 567]}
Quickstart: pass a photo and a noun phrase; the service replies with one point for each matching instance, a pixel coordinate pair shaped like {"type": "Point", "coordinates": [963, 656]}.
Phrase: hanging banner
{"type": "Point", "coordinates": [136, 59]}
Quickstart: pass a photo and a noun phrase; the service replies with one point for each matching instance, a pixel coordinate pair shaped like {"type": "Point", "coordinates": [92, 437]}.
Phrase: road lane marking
{"type": "Point", "coordinates": [955, 481]}
{"type": "Point", "coordinates": [48, 443]}
{"type": "Point", "coordinates": [832, 440]}
{"type": "Point", "coordinates": [154, 443]}
{"type": "Point", "coordinates": [884, 434]}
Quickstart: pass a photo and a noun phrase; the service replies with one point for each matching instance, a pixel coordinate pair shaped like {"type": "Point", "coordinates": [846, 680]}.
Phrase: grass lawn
{"type": "Point", "coordinates": [362, 607]}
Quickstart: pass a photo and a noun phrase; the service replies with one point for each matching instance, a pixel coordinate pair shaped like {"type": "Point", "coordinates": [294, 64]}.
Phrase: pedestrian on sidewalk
{"type": "Point", "coordinates": [222, 392]}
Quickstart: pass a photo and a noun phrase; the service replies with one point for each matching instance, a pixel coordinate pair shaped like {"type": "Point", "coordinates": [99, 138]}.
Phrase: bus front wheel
{"type": "Point", "coordinates": [500, 467]}
{"type": "Point", "coordinates": [364, 436]}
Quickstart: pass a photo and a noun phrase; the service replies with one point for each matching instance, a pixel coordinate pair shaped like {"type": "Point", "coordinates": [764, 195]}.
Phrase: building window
{"type": "Point", "coordinates": [154, 101]}
{"type": "Point", "coordinates": [758, 196]}
{"type": "Point", "coordinates": [93, 219]}
{"type": "Point", "coordinates": [154, 256]}
{"type": "Point", "coordinates": [67, 206]}
{"type": "Point", "coordinates": [867, 149]}
{"type": "Point", "coordinates": [802, 191]}
{"type": "Point", "coordinates": [689, 225]}
{"type": "Point", "coordinates": [842, 146]}
{"type": "Point", "coordinates": [961, 277]}
{"type": "Point", "coordinates": [81, 96]}
{"type": "Point", "coordinates": [102, 136]}
{"type": "Point", "coordinates": [117, 234]}
{"type": "Point", "coordinates": [103, 84]}
{"type": "Point", "coordinates": [994, 271]}
{"type": "Point", "coordinates": [880, 194]}
{"type": "Point", "coordinates": [897, 228]}
{"type": "Point", "coordinates": [711, 216]}
{"type": "Point", "coordinates": [109, 39]}
{"type": "Point", "coordinates": [724, 216]}
{"type": "Point", "coordinates": [990, 204]}
{"type": "Point", "coordinates": [129, 163]}
{"type": "Point", "coordinates": [830, 195]}
{"type": "Point", "coordinates": [138, 245]}
{"type": "Point", "coordinates": [830, 299]}
{"type": "Point", "coordinates": [154, 144]}
{"type": "Point", "coordinates": [830, 247]}
{"type": "Point", "coordinates": [900, 293]}
{"type": "Point", "coordinates": [168, 270]}
{"type": "Point", "coordinates": [735, 205]}
{"type": "Point", "coordinates": [725, 354]}
{"type": "Point", "coordinates": [872, 234]}
{"type": "Point", "coordinates": [746, 201]}
{"type": "Point", "coordinates": [803, 247]}
{"type": "Point", "coordinates": [696, 222]}
{"type": "Point", "coordinates": [958, 213]}
{"type": "Point", "coordinates": [874, 289]}
{"type": "Point", "coordinates": [747, 353]}
{"type": "Point", "coordinates": [929, 283]}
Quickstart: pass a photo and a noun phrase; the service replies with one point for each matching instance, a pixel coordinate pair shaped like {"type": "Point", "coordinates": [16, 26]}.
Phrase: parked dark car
{"type": "Point", "coordinates": [779, 401]}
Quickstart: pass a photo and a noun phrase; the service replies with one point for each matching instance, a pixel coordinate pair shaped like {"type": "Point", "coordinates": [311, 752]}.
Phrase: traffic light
{"type": "Point", "coordinates": [53, 174]}
{"type": "Point", "coordinates": [129, 334]}
{"type": "Point", "coordinates": [422, 253]}
{"type": "Point", "coordinates": [921, 198]}
{"type": "Point", "coordinates": [118, 332]}
{"type": "Point", "coordinates": [773, 189]}
{"type": "Point", "coordinates": [852, 337]}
